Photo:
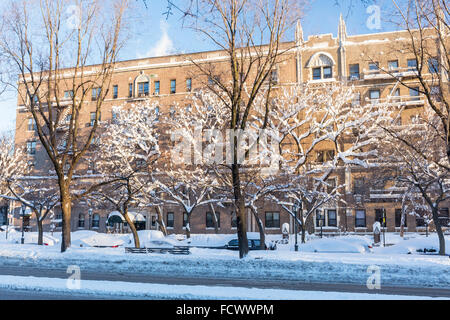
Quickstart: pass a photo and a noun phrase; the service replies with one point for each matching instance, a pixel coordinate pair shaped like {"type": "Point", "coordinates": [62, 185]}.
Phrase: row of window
{"type": "Point", "coordinates": [272, 220]}
{"type": "Point", "coordinates": [380, 216]}
{"type": "Point", "coordinates": [393, 65]}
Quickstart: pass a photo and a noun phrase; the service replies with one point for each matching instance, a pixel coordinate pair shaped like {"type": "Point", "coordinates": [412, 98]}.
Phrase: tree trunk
{"type": "Point", "coordinates": [262, 236]}
{"type": "Point", "coordinates": [188, 225]}
{"type": "Point", "coordinates": [40, 232]}
{"type": "Point", "coordinates": [439, 231]}
{"type": "Point", "coordinates": [132, 227]}
{"type": "Point", "coordinates": [66, 208]}
{"type": "Point", "coordinates": [216, 223]}
{"type": "Point", "coordinates": [241, 216]}
{"type": "Point", "coordinates": [162, 225]}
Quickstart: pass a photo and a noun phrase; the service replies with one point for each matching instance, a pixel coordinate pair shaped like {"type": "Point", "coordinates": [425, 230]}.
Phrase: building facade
{"type": "Point", "coordinates": [356, 60]}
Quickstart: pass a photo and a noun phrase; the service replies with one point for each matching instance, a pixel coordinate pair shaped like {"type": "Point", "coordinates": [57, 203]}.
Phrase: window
{"type": "Point", "coordinates": [320, 218]}
{"type": "Point", "coordinates": [210, 219]}
{"type": "Point", "coordinates": [325, 155]}
{"type": "Point", "coordinates": [444, 217]}
{"type": "Point", "coordinates": [130, 90]}
{"type": "Point", "coordinates": [156, 88]}
{"type": "Point", "coordinates": [81, 221]}
{"type": "Point", "coordinates": [143, 89]}
{"type": "Point", "coordinates": [412, 64]}
{"type": "Point", "coordinates": [393, 65]}
{"type": "Point", "coordinates": [317, 73]}
{"type": "Point", "coordinates": [96, 221]}
{"type": "Point", "coordinates": [354, 72]}
{"type": "Point", "coordinates": [233, 220]}
{"type": "Point", "coordinates": [414, 94]}
{"type": "Point", "coordinates": [356, 101]}
{"type": "Point", "coordinates": [31, 124]}
{"type": "Point", "coordinates": [185, 219]}
{"type": "Point", "coordinates": [327, 73]}
{"type": "Point", "coordinates": [188, 84]}
{"type": "Point", "coordinates": [396, 95]}
{"type": "Point", "coordinates": [96, 93]}
{"type": "Point", "coordinates": [332, 218]}
{"type": "Point", "coordinates": [374, 67]}
{"type": "Point", "coordinates": [436, 93]}
{"type": "Point", "coordinates": [157, 113]}
{"type": "Point", "coordinates": [272, 220]}
{"type": "Point", "coordinates": [274, 76]}
{"type": "Point", "coordinates": [398, 218]}
{"type": "Point", "coordinates": [331, 185]}
{"type": "Point", "coordinates": [433, 65]}
{"type": "Point", "coordinates": [379, 214]}
{"type": "Point", "coordinates": [360, 219]}
{"type": "Point", "coordinates": [31, 147]}
{"type": "Point", "coordinates": [420, 222]}
{"type": "Point", "coordinates": [358, 186]}
{"type": "Point", "coordinates": [374, 95]}
{"type": "Point", "coordinates": [93, 115]}
{"type": "Point", "coordinates": [115, 91]}
{"type": "Point", "coordinates": [173, 86]}
{"type": "Point", "coordinates": [170, 219]}
{"type": "Point", "coordinates": [68, 94]}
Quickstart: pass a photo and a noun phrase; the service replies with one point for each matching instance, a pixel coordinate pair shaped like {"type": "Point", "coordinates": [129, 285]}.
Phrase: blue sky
{"type": "Point", "coordinates": [153, 34]}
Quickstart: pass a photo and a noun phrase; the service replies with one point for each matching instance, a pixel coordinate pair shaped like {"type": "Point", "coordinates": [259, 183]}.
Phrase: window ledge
{"type": "Point", "coordinates": [271, 228]}
{"type": "Point", "coordinates": [322, 80]}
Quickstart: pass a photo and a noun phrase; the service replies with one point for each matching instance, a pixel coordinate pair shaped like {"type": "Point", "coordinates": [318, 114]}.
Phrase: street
{"type": "Point", "coordinates": [203, 281]}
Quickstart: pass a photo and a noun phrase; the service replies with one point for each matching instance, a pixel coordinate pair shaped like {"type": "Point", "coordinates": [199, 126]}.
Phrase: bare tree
{"type": "Point", "coordinates": [38, 195]}
{"type": "Point", "coordinates": [127, 155]}
{"type": "Point", "coordinates": [56, 77]}
{"type": "Point", "coordinates": [420, 170]}
{"type": "Point", "coordinates": [251, 35]}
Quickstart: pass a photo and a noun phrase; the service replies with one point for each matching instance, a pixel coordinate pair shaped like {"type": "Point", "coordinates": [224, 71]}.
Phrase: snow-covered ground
{"type": "Point", "coordinates": [162, 291]}
{"type": "Point", "coordinates": [328, 264]}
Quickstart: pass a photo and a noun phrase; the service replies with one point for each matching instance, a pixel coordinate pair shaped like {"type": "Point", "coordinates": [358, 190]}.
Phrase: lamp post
{"type": "Point", "coordinates": [22, 207]}
{"type": "Point", "coordinates": [296, 207]}
{"type": "Point", "coordinates": [321, 225]}
{"type": "Point", "coordinates": [384, 227]}
{"type": "Point", "coordinates": [7, 221]}
{"type": "Point", "coordinates": [90, 218]}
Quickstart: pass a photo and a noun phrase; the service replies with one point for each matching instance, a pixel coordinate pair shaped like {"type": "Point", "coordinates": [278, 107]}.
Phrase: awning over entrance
{"type": "Point", "coordinates": [116, 217]}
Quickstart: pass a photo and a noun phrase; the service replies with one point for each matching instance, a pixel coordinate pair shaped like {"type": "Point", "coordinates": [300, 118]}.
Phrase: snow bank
{"type": "Point", "coordinates": [164, 291]}
{"type": "Point", "coordinates": [97, 240]}
{"type": "Point", "coordinates": [411, 246]}
{"type": "Point", "coordinates": [349, 245]}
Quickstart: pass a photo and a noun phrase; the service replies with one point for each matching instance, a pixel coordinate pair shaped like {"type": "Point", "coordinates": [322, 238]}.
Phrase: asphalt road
{"type": "Point", "coordinates": [248, 283]}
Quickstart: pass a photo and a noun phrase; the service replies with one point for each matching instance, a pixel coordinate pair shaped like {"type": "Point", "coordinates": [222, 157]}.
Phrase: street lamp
{"type": "Point", "coordinates": [22, 207]}
{"type": "Point", "coordinates": [321, 225]}
{"type": "Point", "coordinates": [384, 227]}
{"type": "Point", "coordinates": [296, 207]}
{"type": "Point", "coordinates": [90, 217]}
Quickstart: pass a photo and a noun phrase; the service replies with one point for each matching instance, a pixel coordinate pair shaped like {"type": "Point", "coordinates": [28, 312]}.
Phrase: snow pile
{"type": "Point", "coordinates": [98, 240]}
{"type": "Point", "coordinates": [416, 246]}
{"type": "Point", "coordinates": [350, 245]}
{"type": "Point", "coordinates": [29, 238]}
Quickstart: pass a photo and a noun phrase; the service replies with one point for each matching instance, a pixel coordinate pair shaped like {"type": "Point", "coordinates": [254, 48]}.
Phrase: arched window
{"type": "Point", "coordinates": [96, 220]}
{"type": "Point", "coordinates": [321, 65]}
{"type": "Point", "coordinates": [141, 85]}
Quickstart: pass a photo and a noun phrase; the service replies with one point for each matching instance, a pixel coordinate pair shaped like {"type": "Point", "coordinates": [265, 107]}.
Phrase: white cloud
{"type": "Point", "coordinates": [164, 46]}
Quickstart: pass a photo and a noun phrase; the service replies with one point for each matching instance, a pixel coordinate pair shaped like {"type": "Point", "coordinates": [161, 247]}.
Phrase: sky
{"type": "Point", "coordinates": [156, 34]}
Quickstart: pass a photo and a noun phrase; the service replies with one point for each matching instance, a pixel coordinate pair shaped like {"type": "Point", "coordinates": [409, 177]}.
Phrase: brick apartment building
{"type": "Point", "coordinates": [352, 59]}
